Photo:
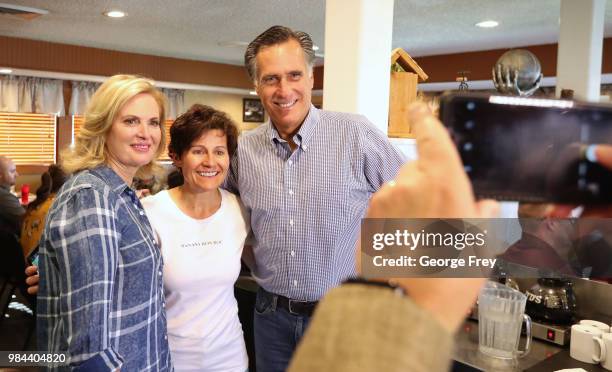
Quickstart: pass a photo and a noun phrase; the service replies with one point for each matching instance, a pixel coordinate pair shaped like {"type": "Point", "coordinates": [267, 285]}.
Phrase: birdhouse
{"type": "Point", "coordinates": [405, 75]}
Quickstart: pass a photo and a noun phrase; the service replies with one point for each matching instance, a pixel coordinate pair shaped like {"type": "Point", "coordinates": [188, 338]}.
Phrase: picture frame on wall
{"type": "Point", "coordinates": [252, 110]}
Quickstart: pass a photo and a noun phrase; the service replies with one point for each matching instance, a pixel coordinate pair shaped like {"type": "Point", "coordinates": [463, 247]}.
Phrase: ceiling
{"type": "Point", "coordinates": [194, 29]}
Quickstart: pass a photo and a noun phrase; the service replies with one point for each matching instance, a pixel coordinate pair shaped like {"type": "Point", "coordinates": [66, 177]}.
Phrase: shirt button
{"type": "Point", "coordinates": [292, 253]}
{"type": "Point", "coordinates": [290, 192]}
{"type": "Point", "coordinates": [160, 273]}
{"type": "Point", "coordinates": [291, 222]}
{"type": "Point", "coordinates": [141, 213]}
{"type": "Point", "coordinates": [305, 147]}
{"type": "Point", "coordinates": [165, 337]}
{"type": "Point", "coordinates": [295, 283]}
{"type": "Point", "coordinates": [289, 162]}
{"type": "Point", "coordinates": [164, 305]}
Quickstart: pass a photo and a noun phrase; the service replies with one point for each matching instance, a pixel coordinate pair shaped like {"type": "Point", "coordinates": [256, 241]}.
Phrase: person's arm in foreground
{"type": "Point", "coordinates": [362, 328]}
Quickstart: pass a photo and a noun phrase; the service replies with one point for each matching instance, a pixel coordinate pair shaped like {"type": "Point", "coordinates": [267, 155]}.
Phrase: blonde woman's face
{"type": "Point", "coordinates": [134, 136]}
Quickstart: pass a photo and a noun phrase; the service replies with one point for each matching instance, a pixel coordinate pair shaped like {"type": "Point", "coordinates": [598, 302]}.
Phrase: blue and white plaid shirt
{"type": "Point", "coordinates": [306, 206]}
{"type": "Point", "coordinates": [101, 296]}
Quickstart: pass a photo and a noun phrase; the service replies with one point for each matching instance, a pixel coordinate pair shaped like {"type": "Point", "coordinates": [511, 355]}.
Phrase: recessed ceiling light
{"type": "Point", "coordinates": [253, 93]}
{"type": "Point", "coordinates": [487, 24]}
{"type": "Point", "coordinates": [5, 71]}
{"type": "Point", "coordinates": [115, 14]}
{"type": "Point", "coordinates": [315, 48]}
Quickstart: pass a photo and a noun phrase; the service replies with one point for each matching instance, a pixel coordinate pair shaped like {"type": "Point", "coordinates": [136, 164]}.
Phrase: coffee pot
{"type": "Point", "coordinates": [552, 300]}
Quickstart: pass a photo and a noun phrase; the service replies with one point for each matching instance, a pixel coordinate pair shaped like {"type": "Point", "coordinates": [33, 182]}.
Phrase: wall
{"type": "Point", "coordinates": [56, 57]}
{"type": "Point", "coordinates": [444, 68]}
{"type": "Point", "coordinates": [230, 103]}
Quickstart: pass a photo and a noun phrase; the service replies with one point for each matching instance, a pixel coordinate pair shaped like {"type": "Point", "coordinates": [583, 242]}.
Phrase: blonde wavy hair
{"type": "Point", "coordinates": [89, 150]}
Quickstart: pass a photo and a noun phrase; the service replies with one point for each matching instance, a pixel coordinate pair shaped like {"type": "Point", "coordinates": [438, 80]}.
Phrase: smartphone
{"type": "Point", "coordinates": [530, 149]}
{"type": "Point", "coordinates": [33, 257]}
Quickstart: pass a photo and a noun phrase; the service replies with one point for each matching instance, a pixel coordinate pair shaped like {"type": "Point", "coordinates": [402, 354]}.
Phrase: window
{"type": "Point", "coordinates": [78, 120]}
{"type": "Point", "coordinates": [28, 139]}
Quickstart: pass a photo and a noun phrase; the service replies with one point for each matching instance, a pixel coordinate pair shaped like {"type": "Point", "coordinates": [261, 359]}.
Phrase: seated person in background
{"type": "Point", "coordinates": [34, 220]}
{"type": "Point", "coordinates": [11, 212]}
{"type": "Point", "coordinates": [546, 246]}
{"type": "Point", "coordinates": [147, 186]}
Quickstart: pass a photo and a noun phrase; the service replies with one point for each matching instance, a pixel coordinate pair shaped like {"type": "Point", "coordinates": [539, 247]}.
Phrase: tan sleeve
{"type": "Point", "coordinates": [363, 328]}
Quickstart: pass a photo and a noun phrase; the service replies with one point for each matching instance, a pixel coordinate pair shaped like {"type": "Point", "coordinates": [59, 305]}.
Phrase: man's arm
{"type": "Point", "coordinates": [87, 251]}
{"type": "Point", "coordinates": [381, 160]}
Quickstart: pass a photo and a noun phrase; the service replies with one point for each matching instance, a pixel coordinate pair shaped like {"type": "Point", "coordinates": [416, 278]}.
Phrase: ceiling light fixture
{"type": "Point", "coordinates": [315, 48]}
{"type": "Point", "coordinates": [253, 93]}
{"type": "Point", "coordinates": [115, 14]}
{"type": "Point", "coordinates": [22, 12]}
{"type": "Point", "coordinates": [487, 24]}
{"type": "Point", "coordinates": [6, 71]}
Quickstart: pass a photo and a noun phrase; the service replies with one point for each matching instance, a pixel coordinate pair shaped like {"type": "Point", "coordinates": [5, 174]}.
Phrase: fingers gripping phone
{"type": "Point", "coordinates": [530, 149]}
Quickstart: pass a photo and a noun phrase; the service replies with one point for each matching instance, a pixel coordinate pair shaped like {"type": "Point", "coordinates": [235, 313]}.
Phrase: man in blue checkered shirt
{"type": "Point", "coordinates": [306, 177]}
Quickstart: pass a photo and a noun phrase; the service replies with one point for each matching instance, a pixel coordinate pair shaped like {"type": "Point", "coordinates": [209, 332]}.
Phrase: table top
{"type": "Point", "coordinates": [466, 351]}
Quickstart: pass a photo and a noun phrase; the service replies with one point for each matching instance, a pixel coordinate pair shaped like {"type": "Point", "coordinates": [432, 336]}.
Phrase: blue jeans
{"type": "Point", "coordinates": [277, 333]}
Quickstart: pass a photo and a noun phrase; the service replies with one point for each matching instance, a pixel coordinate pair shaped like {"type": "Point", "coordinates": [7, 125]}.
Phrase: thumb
{"type": "Point", "coordinates": [487, 208]}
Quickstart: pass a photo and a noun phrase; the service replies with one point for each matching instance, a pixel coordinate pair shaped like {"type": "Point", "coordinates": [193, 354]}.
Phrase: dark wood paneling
{"type": "Point", "coordinates": [30, 170]}
{"type": "Point", "coordinates": [46, 56]}
{"type": "Point", "coordinates": [318, 77]}
{"type": "Point", "coordinates": [67, 91]}
{"type": "Point", "coordinates": [479, 64]}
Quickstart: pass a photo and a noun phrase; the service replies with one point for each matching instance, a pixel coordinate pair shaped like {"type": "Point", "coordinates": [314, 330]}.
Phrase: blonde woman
{"type": "Point", "coordinates": [100, 296]}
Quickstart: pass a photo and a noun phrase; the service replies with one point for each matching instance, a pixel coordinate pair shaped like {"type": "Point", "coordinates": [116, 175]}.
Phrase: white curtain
{"type": "Point", "coordinates": [176, 102]}
{"type": "Point", "coordinates": [81, 94]}
{"type": "Point", "coordinates": [28, 94]}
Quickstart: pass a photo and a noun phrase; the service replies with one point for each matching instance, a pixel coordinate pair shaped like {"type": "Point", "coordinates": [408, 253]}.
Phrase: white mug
{"type": "Point", "coordinates": [594, 323]}
{"type": "Point", "coordinates": [607, 360]}
{"type": "Point", "coordinates": [586, 344]}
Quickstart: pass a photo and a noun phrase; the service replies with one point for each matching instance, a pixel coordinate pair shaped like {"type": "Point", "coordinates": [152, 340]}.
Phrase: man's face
{"type": "Point", "coordinates": [8, 172]}
{"type": "Point", "coordinates": [284, 84]}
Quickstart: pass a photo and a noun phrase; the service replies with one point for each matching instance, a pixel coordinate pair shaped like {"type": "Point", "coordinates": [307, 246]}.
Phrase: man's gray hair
{"type": "Point", "coordinates": [273, 36]}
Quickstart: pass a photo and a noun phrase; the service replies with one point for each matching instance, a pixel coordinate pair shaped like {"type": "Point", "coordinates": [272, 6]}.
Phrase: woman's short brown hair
{"type": "Point", "coordinates": [193, 123]}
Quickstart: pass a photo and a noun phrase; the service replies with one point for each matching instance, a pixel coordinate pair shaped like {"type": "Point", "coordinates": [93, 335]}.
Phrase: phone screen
{"type": "Point", "coordinates": [33, 257]}
{"type": "Point", "coordinates": [530, 149]}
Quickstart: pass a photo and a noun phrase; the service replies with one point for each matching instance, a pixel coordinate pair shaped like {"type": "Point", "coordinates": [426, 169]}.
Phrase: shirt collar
{"type": "Point", "coordinates": [111, 178]}
{"type": "Point", "coordinates": [304, 135]}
